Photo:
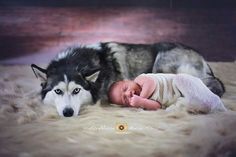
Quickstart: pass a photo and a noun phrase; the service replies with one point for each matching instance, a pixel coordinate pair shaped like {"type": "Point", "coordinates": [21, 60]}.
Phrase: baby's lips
{"type": "Point", "coordinates": [127, 101]}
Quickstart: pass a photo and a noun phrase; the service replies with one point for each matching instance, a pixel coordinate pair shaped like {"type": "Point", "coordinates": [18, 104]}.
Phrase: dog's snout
{"type": "Point", "coordinates": [68, 112]}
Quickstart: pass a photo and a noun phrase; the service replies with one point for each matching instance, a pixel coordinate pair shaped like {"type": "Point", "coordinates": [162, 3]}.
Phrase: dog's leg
{"type": "Point", "coordinates": [212, 82]}
{"type": "Point", "coordinates": [215, 85]}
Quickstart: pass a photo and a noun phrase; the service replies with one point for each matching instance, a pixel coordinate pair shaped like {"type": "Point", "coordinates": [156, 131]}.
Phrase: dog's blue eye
{"type": "Point", "coordinates": [76, 91]}
{"type": "Point", "coordinates": [58, 91]}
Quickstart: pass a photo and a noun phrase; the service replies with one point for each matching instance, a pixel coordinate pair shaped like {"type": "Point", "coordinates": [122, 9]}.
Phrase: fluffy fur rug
{"type": "Point", "coordinates": [29, 128]}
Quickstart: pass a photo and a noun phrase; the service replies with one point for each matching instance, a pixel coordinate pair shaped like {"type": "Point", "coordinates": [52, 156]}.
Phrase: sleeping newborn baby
{"type": "Point", "coordinates": [167, 91]}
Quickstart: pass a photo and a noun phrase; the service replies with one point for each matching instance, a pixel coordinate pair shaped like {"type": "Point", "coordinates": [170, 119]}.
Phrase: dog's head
{"type": "Point", "coordinates": [67, 90]}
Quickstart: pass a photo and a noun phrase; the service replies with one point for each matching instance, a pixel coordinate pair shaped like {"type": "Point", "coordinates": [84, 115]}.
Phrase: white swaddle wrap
{"type": "Point", "coordinates": [166, 91]}
{"type": "Point", "coordinates": [185, 90]}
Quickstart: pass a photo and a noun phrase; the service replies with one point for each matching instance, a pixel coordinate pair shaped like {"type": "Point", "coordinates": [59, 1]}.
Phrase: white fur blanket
{"type": "Point", "coordinates": [29, 128]}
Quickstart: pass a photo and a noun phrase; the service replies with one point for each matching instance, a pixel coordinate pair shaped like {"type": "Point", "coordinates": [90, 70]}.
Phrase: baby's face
{"type": "Point", "coordinates": [122, 91]}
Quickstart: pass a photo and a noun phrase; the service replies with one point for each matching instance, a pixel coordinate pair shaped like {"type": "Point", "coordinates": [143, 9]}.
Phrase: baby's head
{"type": "Point", "coordinates": [120, 92]}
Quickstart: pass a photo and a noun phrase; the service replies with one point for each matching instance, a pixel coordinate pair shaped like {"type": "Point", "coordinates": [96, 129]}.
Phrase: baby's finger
{"type": "Point", "coordinates": [131, 102]}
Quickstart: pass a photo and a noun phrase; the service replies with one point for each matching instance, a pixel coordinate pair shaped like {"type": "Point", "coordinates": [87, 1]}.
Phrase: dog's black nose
{"type": "Point", "coordinates": [68, 112]}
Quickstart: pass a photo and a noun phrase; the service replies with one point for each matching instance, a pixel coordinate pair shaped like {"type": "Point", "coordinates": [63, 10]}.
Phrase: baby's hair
{"type": "Point", "coordinates": [112, 86]}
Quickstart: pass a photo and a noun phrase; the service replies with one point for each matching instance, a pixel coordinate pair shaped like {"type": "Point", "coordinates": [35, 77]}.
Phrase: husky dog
{"type": "Point", "coordinates": [81, 75]}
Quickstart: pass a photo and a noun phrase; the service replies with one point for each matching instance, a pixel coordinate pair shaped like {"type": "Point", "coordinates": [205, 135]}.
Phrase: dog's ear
{"type": "Point", "coordinates": [90, 74]}
{"type": "Point", "coordinates": [40, 73]}
{"type": "Point", "coordinates": [93, 77]}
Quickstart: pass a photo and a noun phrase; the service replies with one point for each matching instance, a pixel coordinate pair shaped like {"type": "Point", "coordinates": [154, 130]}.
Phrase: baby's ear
{"type": "Point", "coordinates": [39, 72]}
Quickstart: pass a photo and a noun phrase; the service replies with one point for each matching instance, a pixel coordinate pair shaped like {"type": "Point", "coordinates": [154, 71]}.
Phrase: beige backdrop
{"type": "Point", "coordinates": [29, 128]}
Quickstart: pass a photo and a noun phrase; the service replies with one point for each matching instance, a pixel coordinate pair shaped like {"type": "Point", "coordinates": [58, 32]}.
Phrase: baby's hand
{"type": "Point", "coordinates": [135, 100]}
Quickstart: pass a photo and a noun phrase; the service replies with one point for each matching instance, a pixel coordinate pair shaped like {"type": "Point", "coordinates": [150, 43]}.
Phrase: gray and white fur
{"type": "Point", "coordinates": [81, 75]}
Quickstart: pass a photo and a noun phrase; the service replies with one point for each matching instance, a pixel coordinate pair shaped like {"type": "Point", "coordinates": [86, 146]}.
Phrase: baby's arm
{"type": "Point", "coordinates": [145, 103]}
{"type": "Point", "coordinates": [147, 84]}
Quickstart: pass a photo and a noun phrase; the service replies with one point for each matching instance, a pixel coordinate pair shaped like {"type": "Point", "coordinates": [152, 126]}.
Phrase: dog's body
{"type": "Point", "coordinates": [82, 75]}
